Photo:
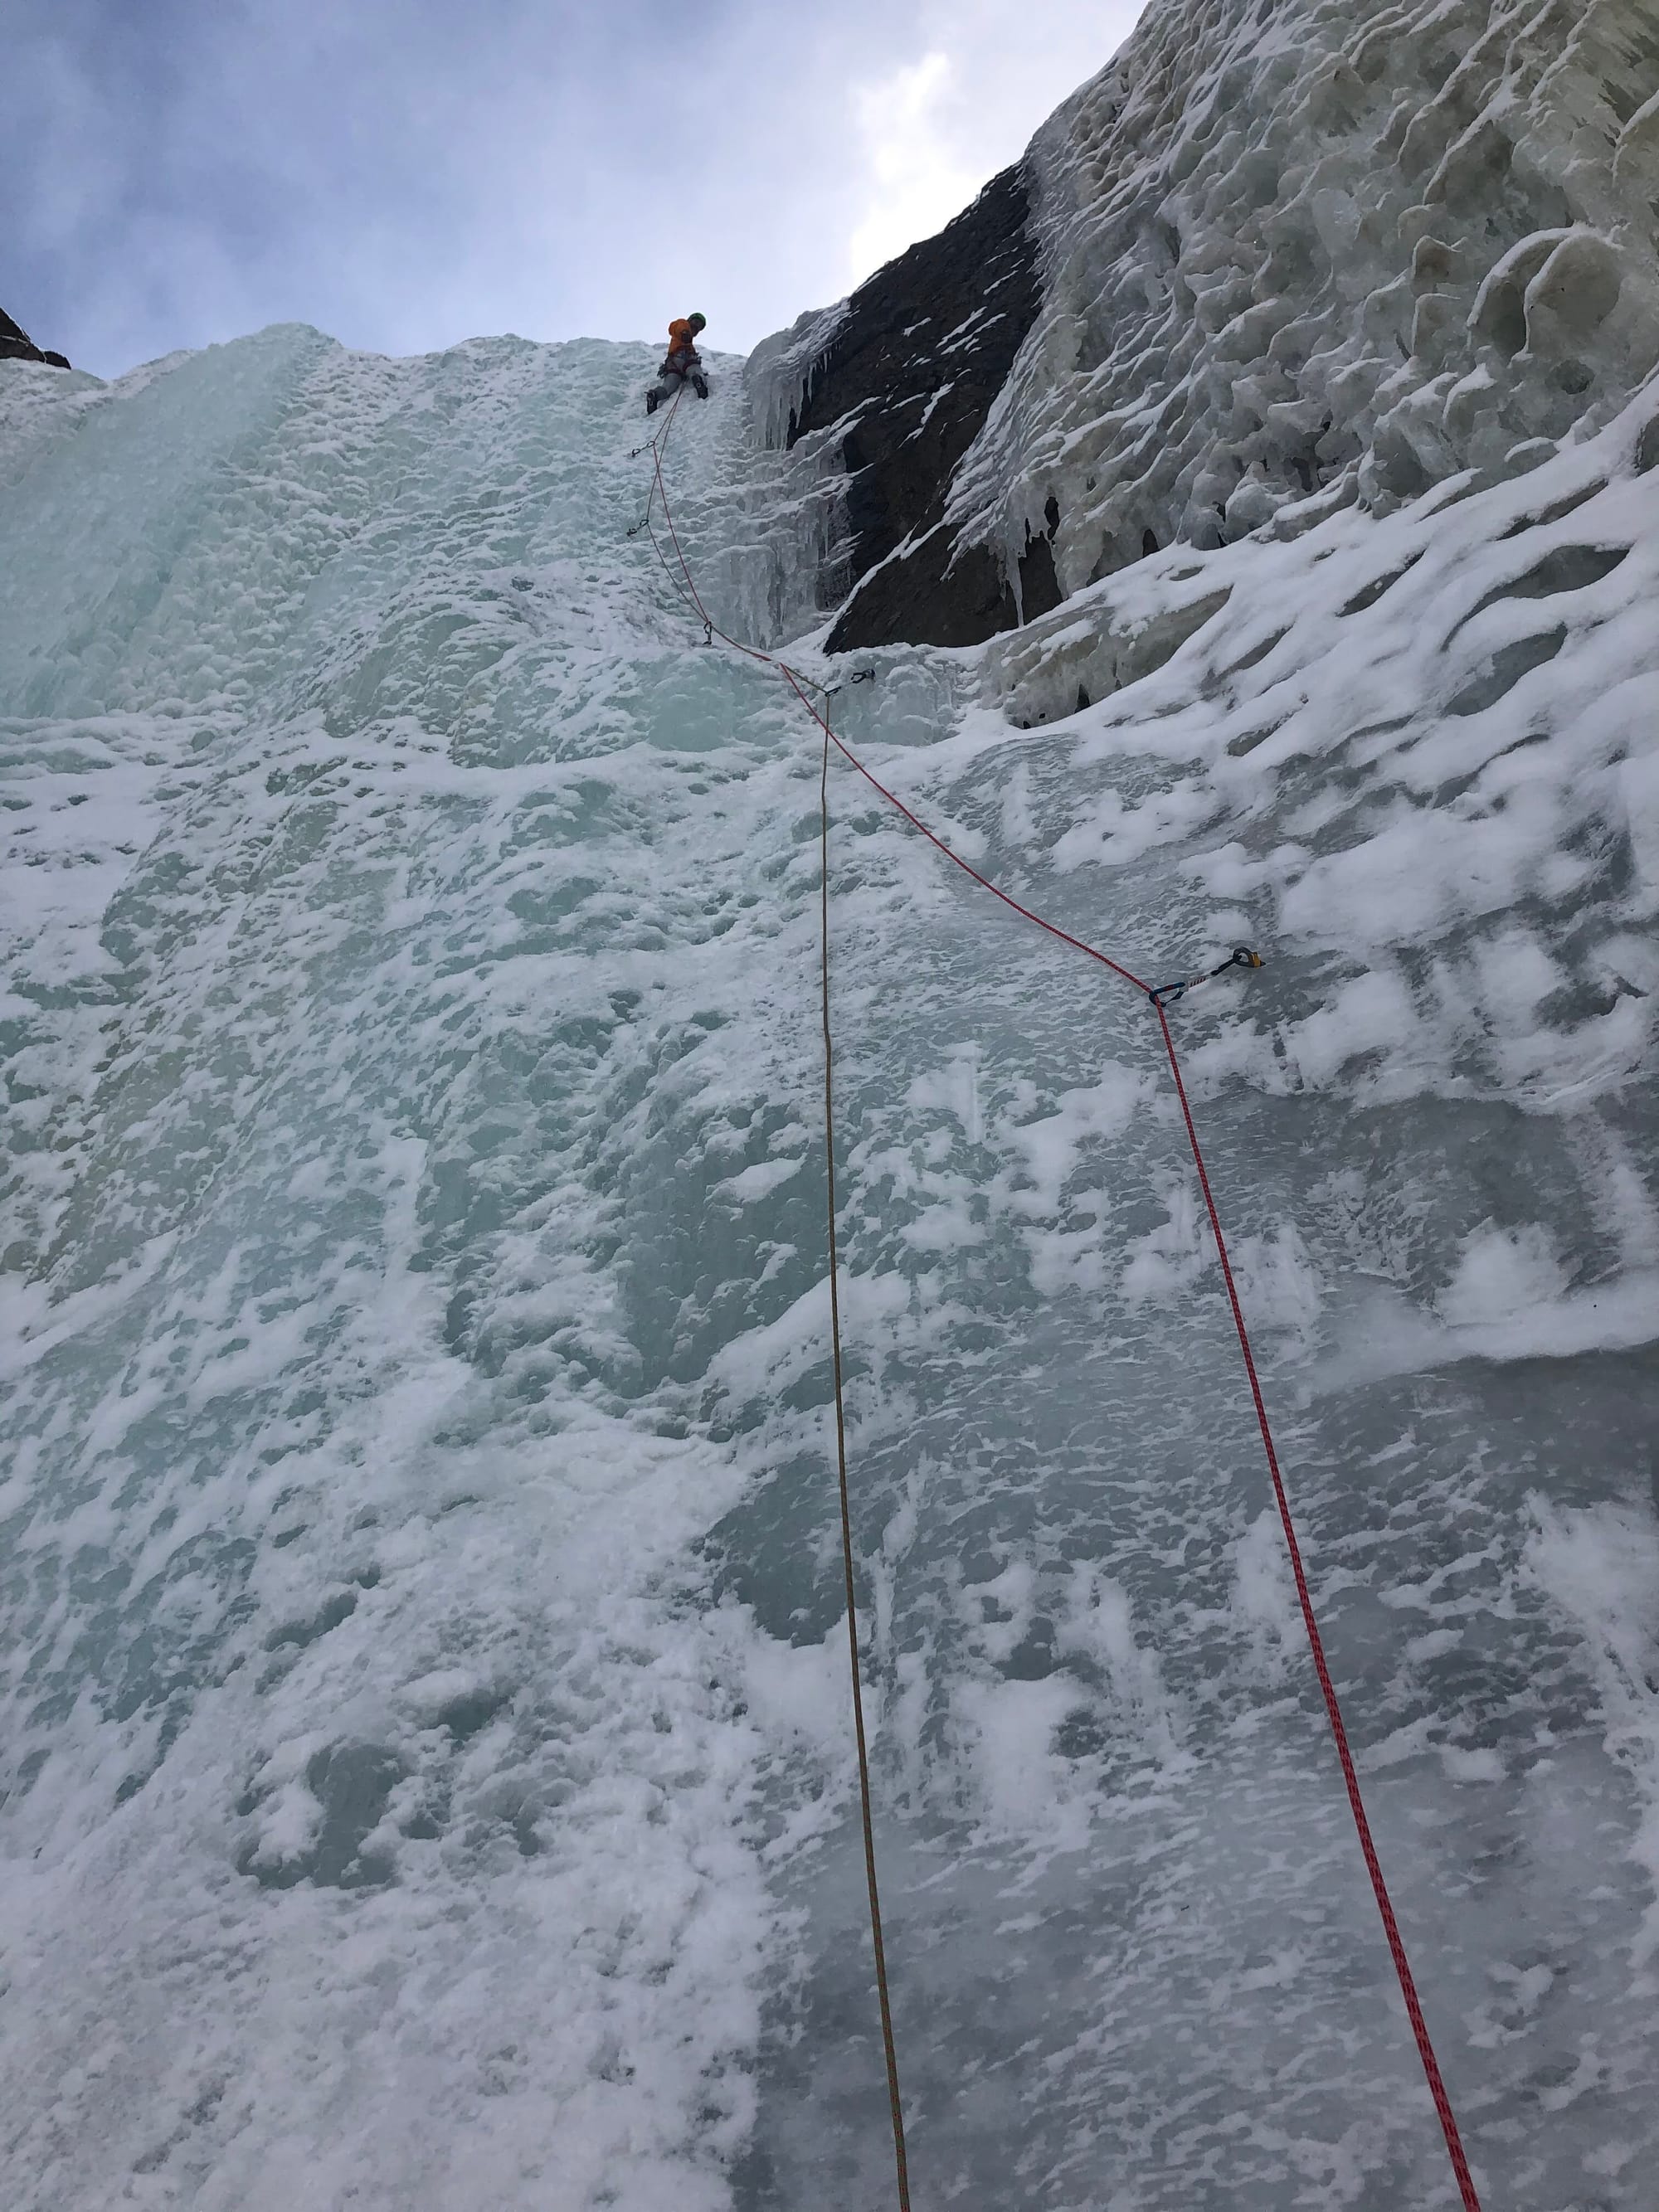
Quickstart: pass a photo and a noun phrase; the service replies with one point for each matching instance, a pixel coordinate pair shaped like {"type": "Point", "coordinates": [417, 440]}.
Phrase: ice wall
{"type": "Point", "coordinates": [372, 1796]}
{"type": "Point", "coordinates": [1292, 257]}
{"type": "Point", "coordinates": [424, 1771]}
{"type": "Point", "coordinates": [1412, 757]}
{"type": "Point", "coordinates": [1300, 255]}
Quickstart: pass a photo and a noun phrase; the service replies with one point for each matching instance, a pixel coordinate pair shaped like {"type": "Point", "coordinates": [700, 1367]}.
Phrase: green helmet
{"type": "Point", "coordinates": [698, 322]}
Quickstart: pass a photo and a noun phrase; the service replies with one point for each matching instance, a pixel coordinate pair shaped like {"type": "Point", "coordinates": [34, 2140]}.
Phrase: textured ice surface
{"type": "Point", "coordinates": [1297, 254]}
{"type": "Point", "coordinates": [426, 1764]}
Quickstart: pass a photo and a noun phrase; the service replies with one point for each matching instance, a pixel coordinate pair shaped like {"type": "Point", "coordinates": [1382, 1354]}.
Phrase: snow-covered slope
{"type": "Point", "coordinates": [425, 1764]}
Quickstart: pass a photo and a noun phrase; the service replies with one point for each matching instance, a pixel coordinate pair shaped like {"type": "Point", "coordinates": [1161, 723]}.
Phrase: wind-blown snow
{"type": "Point", "coordinates": [426, 1764]}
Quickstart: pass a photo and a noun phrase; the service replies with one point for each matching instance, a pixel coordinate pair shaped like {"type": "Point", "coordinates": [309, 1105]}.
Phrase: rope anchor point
{"type": "Point", "coordinates": [1165, 994]}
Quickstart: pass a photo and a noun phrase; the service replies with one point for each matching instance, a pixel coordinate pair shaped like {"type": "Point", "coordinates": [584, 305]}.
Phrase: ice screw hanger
{"type": "Point", "coordinates": [1165, 994]}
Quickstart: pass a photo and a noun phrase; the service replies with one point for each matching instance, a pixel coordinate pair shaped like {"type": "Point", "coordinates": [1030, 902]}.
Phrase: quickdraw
{"type": "Point", "coordinates": [1165, 994]}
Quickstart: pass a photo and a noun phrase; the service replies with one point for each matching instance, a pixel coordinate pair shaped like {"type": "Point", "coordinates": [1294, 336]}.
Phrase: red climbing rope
{"type": "Point", "coordinates": [712, 629]}
{"type": "Point", "coordinates": [1419, 2028]}
{"type": "Point", "coordinates": [1328, 1688]}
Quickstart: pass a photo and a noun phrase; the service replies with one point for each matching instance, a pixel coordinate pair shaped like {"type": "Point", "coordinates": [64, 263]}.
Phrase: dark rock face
{"type": "Point", "coordinates": [911, 372]}
{"type": "Point", "coordinates": [15, 344]}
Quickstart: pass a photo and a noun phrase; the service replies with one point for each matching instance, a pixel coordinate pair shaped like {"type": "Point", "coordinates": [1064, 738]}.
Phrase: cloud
{"type": "Point", "coordinates": [406, 175]}
{"type": "Point", "coordinates": [916, 180]}
{"type": "Point", "coordinates": [933, 131]}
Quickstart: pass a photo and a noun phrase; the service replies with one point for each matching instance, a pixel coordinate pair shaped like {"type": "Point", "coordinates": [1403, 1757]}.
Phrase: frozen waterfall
{"type": "Point", "coordinates": [426, 1770]}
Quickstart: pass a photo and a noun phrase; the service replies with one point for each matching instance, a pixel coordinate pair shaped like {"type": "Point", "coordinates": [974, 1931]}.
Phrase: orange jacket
{"type": "Point", "coordinates": [681, 339]}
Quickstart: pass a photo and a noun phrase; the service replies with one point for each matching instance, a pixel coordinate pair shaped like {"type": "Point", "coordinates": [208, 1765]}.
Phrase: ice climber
{"type": "Point", "coordinates": [682, 363]}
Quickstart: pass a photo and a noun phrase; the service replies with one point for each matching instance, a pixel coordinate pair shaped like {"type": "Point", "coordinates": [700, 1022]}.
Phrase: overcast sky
{"type": "Point", "coordinates": [405, 173]}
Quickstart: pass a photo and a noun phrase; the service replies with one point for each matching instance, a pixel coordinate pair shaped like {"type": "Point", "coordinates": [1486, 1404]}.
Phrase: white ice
{"type": "Point", "coordinates": [425, 1757]}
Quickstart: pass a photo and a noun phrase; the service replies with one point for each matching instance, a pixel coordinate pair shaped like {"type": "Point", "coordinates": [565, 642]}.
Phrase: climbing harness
{"type": "Point", "coordinates": [1161, 996]}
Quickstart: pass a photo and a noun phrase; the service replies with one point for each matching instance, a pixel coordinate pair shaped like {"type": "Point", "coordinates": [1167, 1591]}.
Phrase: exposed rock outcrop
{"type": "Point", "coordinates": [904, 384]}
{"type": "Point", "coordinates": [16, 344]}
{"type": "Point", "coordinates": [1344, 257]}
